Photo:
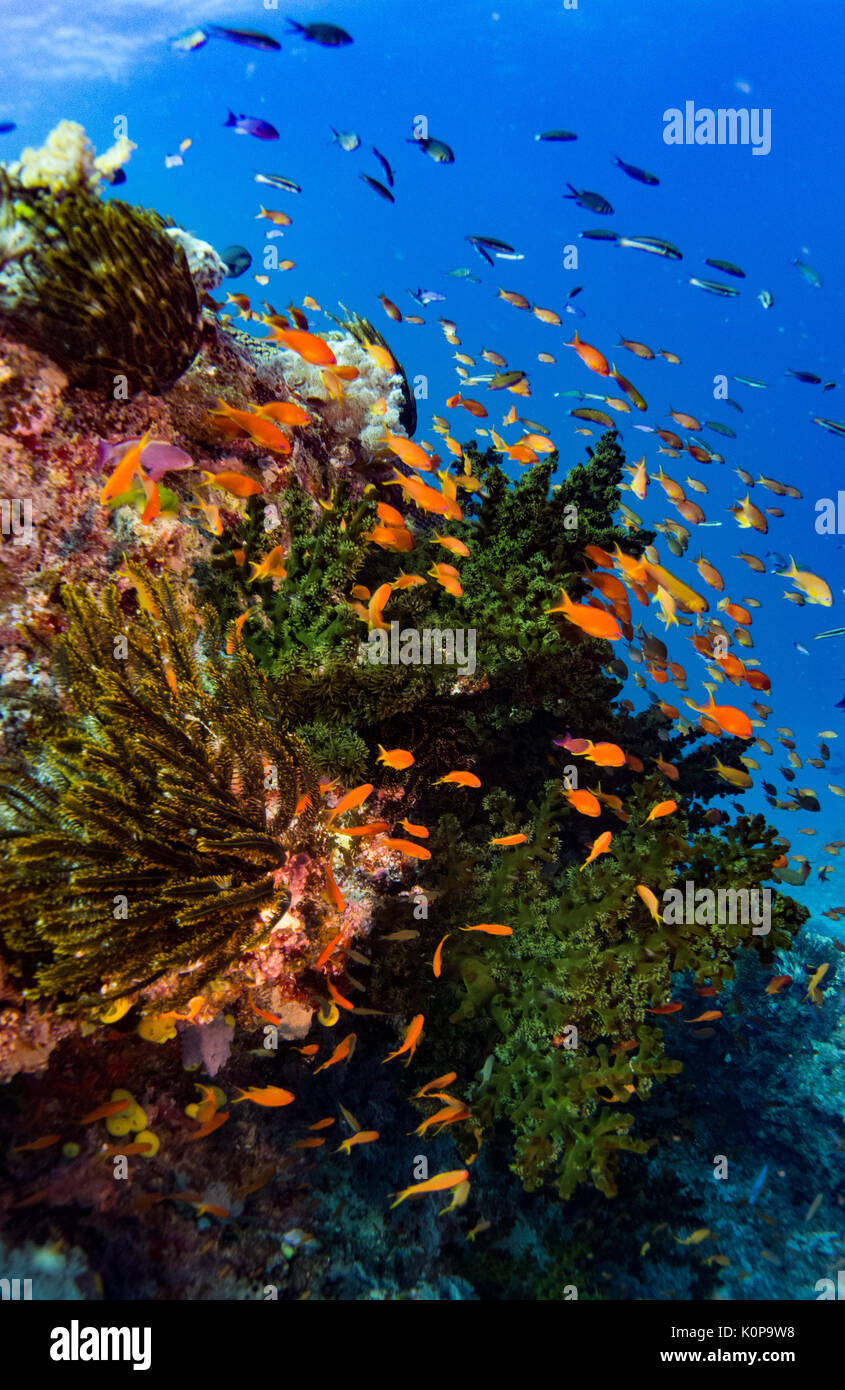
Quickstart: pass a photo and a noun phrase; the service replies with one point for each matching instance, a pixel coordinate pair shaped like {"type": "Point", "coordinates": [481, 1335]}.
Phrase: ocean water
{"type": "Point", "coordinates": [487, 78]}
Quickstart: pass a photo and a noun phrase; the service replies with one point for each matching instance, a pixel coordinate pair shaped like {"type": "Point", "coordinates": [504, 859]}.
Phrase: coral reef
{"type": "Point", "coordinates": [96, 285]}
{"type": "Point", "coordinates": [151, 834]}
{"type": "Point", "coordinates": [173, 880]}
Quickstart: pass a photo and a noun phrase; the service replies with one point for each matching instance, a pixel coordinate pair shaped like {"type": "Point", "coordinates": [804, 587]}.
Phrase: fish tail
{"type": "Point", "coordinates": [231, 120]}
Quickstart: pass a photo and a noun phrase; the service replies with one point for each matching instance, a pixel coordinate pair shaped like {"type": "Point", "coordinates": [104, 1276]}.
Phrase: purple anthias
{"type": "Point", "coordinates": [252, 125]}
{"type": "Point", "coordinates": [158, 458]}
{"type": "Point", "coordinates": [572, 745]}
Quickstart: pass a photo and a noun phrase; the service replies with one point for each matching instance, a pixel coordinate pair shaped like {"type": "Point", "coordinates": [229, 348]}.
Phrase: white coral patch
{"type": "Point", "coordinates": [353, 415]}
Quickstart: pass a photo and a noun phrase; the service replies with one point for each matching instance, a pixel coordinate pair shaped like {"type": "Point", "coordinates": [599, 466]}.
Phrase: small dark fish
{"type": "Point", "coordinates": [840, 704]}
{"type": "Point", "coordinates": [811, 276]}
{"type": "Point", "coordinates": [591, 202]}
{"type": "Point", "coordinates": [424, 297]}
{"type": "Point", "coordinates": [117, 176]}
{"type": "Point", "coordinates": [735, 405]}
{"type": "Point", "coordinates": [276, 181]}
{"type": "Point", "coordinates": [501, 380]}
{"type": "Point", "coordinates": [252, 125]}
{"type": "Point", "coordinates": [714, 287]}
{"type": "Point", "coordinates": [250, 38]}
{"type": "Point", "coordinates": [720, 429]}
{"type": "Point", "coordinates": [493, 244]}
{"type": "Point", "coordinates": [599, 234]}
{"type": "Point", "coordinates": [641, 175]}
{"type": "Point", "coordinates": [238, 260]}
{"type": "Point", "coordinates": [7, 126]}
{"type": "Point", "coordinates": [727, 266]}
{"type": "Point", "coordinates": [809, 377]}
{"type": "Point", "coordinates": [829, 386]}
{"type": "Point", "coordinates": [832, 426]}
{"type": "Point", "coordinates": [329, 35]}
{"type": "Point", "coordinates": [556, 135]}
{"type": "Point", "coordinates": [655, 245]}
{"type": "Point", "coordinates": [483, 252]}
{"type": "Point", "coordinates": [388, 172]}
{"type": "Point", "coordinates": [379, 188]}
{"type": "Point", "coordinates": [437, 150]}
{"type": "Point", "coordinates": [766, 298]}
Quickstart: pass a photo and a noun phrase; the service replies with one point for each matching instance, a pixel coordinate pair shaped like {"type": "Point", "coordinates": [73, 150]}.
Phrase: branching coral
{"type": "Point", "coordinates": [149, 834]}
{"type": "Point", "coordinates": [569, 992]}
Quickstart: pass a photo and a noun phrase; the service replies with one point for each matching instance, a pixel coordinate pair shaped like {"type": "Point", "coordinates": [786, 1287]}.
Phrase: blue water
{"type": "Point", "coordinates": [488, 78]}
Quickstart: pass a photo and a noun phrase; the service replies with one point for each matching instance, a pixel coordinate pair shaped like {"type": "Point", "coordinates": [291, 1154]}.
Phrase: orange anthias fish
{"type": "Point", "coordinates": [45, 1142]}
{"type": "Point", "coordinates": [125, 471]}
{"type": "Point", "coordinates": [209, 1127]}
{"type": "Point", "coordinates": [604, 754]}
{"type": "Point", "coordinates": [409, 1042]}
{"type": "Point", "coordinates": [509, 840]}
{"type": "Point", "coordinates": [338, 998]}
{"type": "Point", "coordinates": [410, 453]}
{"type": "Point", "coordinates": [491, 929]}
{"type": "Point", "coordinates": [356, 797]}
{"type": "Point", "coordinates": [237, 484]}
{"type": "Point", "coordinates": [342, 1053]}
{"type": "Point", "coordinates": [306, 345]}
{"type": "Point", "coordinates": [372, 827]}
{"type": "Point", "coordinates": [447, 577]}
{"type": "Point", "coordinates": [286, 412]}
{"type": "Point", "coordinates": [600, 846]}
{"type": "Point", "coordinates": [448, 1115]}
{"type": "Point", "coordinates": [590, 356]}
{"type": "Point", "coordinates": [584, 802]}
{"type": "Point", "coordinates": [364, 1136]}
{"type": "Point", "coordinates": [663, 808]}
{"type": "Point", "coordinates": [408, 847]}
{"type": "Point", "coordinates": [595, 622]}
{"type": "Point", "coordinates": [265, 1095]}
{"type": "Point", "coordinates": [729, 719]}
{"type": "Point", "coordinates": [336, 898]}
{"type": "Point", "coordinates": [324, 955]}
{"type": "Point", "coordinates": [460, 779]}
{"type": "Point", "coordinates": [271, 567]}
{"type": "Point", "coordinates": [444, 1080]}
{"type": "Point", "coordinates": [665, 1009]}
{"type": "Point", "coordinates": [451, 543]}
{"type": "Point", "coordinates": [396, 758]}
{"type": "Point", "coordinates": [707, 1017]}
{"type": "Point", "coordinates": [650, 899]}
{"type": "Point", "coordinates": [441, 1182]}
{"type": "Point", "coordinates": [778, 983]}
{"type": "Point", "coordinates": [111, 1107]}
{"type": "Point", "coordinates": [421, 831]}
{"type": "Point", "coordinates": [427, 498]}
{"type": "Point", "coordinates": [437, 962]}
